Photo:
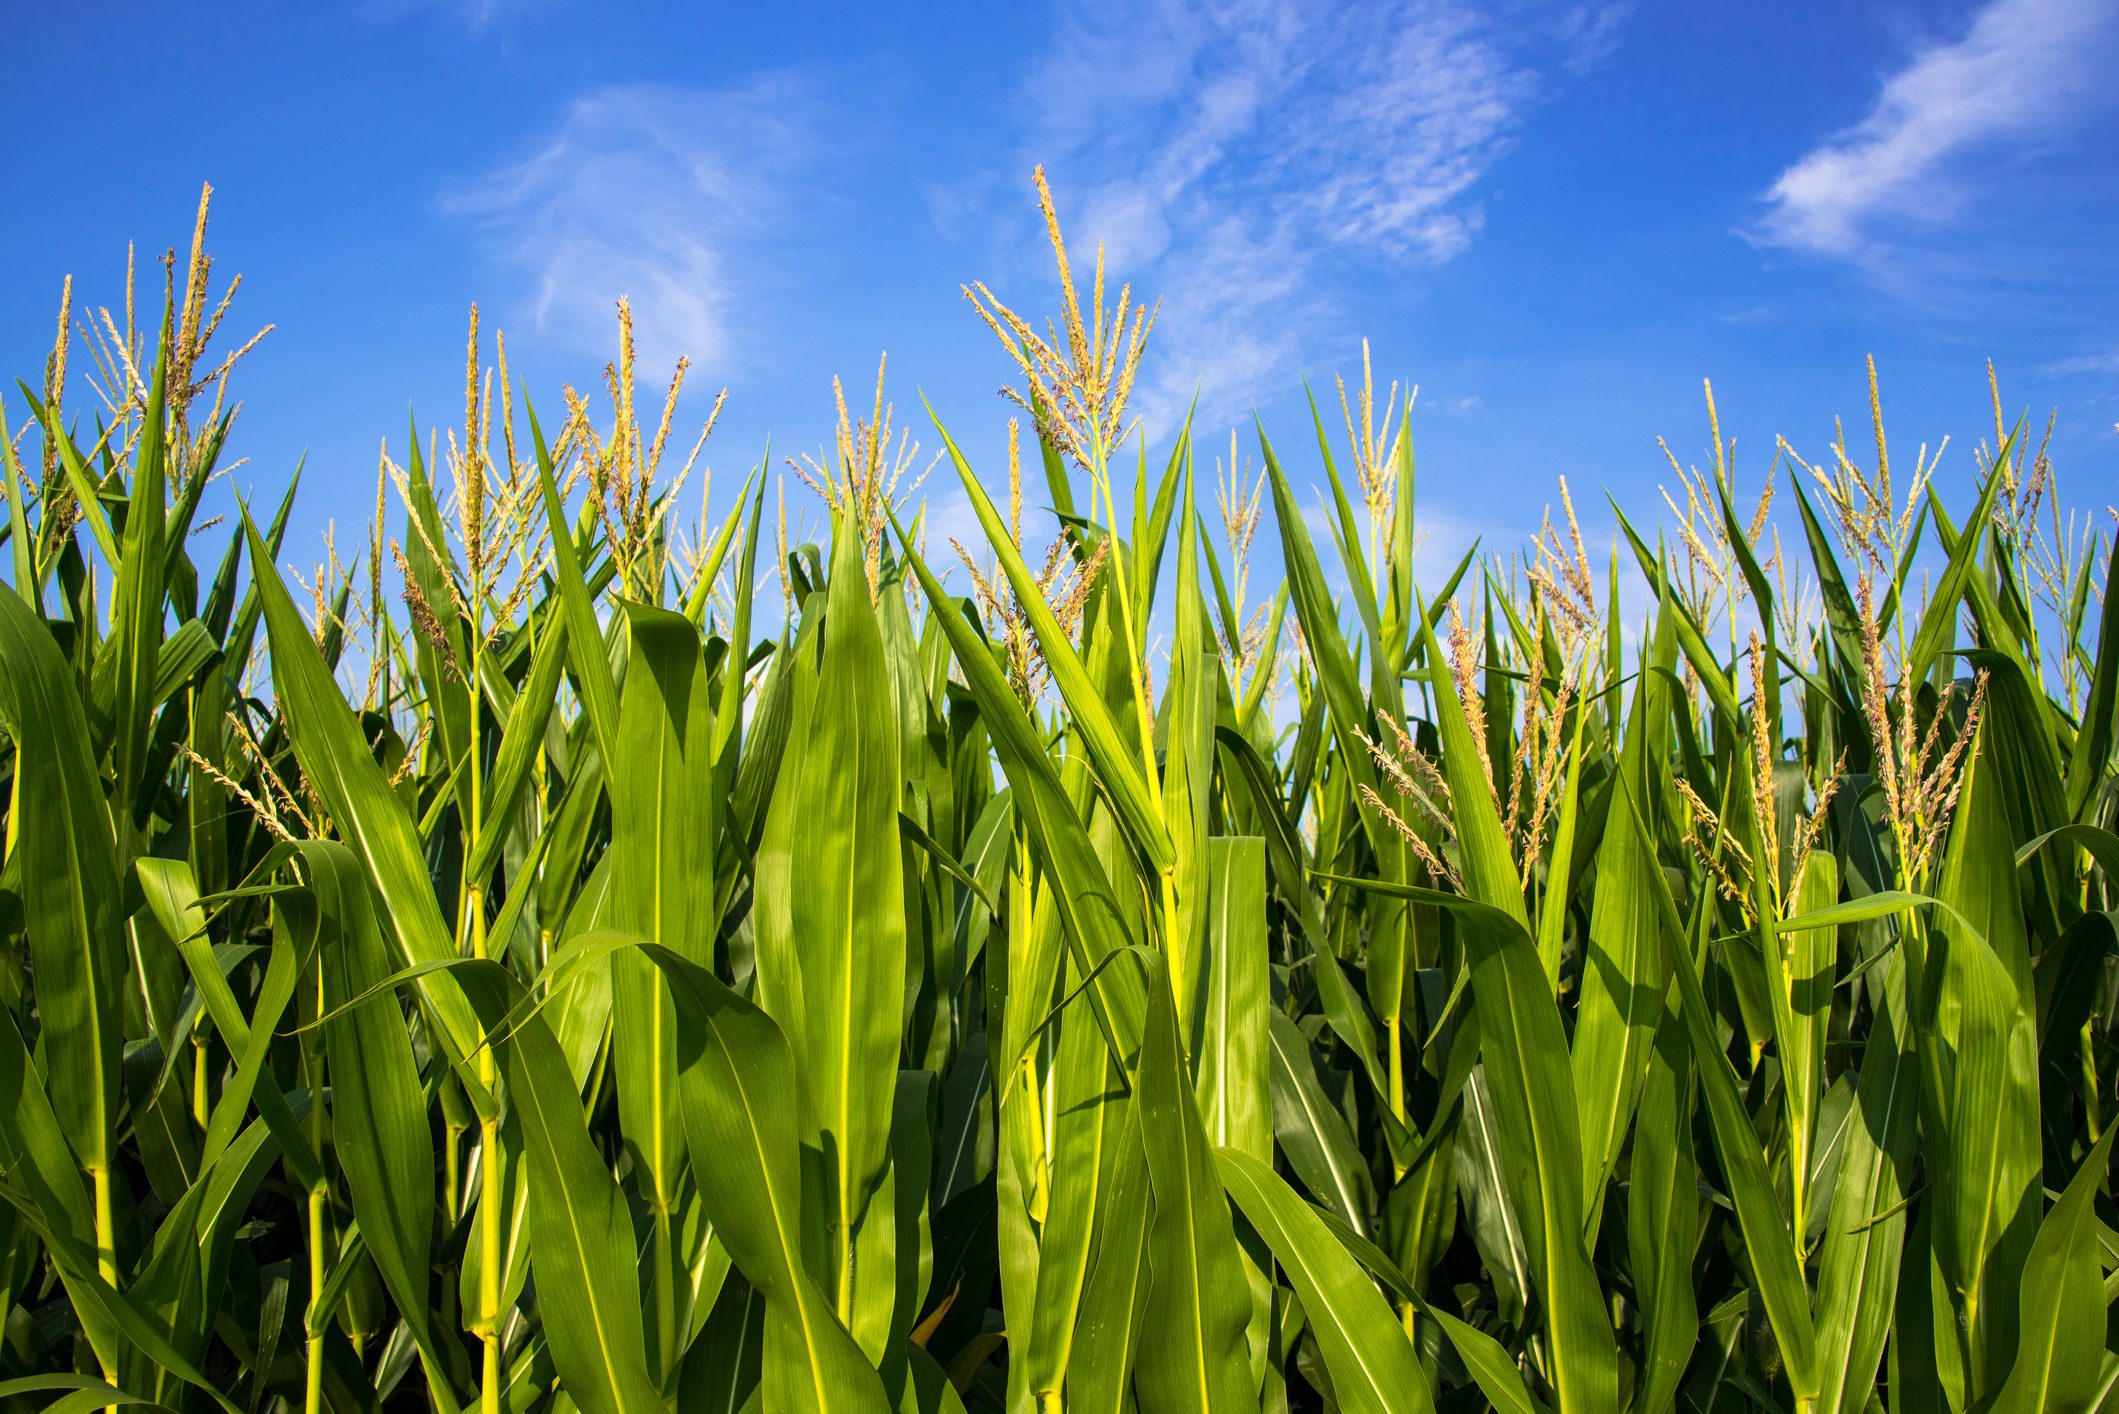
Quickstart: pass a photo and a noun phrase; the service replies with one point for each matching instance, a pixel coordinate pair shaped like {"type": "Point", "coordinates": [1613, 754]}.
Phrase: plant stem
{"type": "Point", "coordinates": [106, 1244]}
{"type": "Point", "coordinates": [313, 1396]}
{"type": "Point", "coordinates": [493, 1197]}
{"type": "Point", "coordinates": [665, 1292]}
{"type": "Point", "coordinates": [199, 1106]}
{"type": "Point", "coordinates": [314, 1320]}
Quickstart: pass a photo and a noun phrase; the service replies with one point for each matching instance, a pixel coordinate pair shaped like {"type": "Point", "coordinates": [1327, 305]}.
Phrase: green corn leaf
{"type": "Point", "coordinates": [40, 1164]}
{"type": "Point", "coordinates": [379, 1118]}
{"type": "Point", "coordinates": [522, 739]}
{"type": "Point", "coordinates": [1090, 1114]}
{"type": "Point", "coordinates": [1195, 1319]}
{"type": "Point", "coordinates": [69, 879]}
{"type": "Point", "coordinates": [82, 482]}
{"type": "Point", "coordinates": [1188, 775]}
{"type": "Point", "coordinates": [1335, 665]}
{"type": "Point", "coordinates": [1940, 620]}
{"type": "Point", "coordinates": [1663, 1215]}
{"type": "Point", "coordinates": [369, 816]}
{"type": "Point", "coordinates": [1109, 1333]}
{"type": "Point", "coordinates": [581, 1237]}
{"type": "Point", "coordinates": [739, 1093]}
{"type": "Point", "coordinates": [1491, 1367]}
{"type": "Point", "coordinates": [849, 929]}
{"type": "Point", "coordinates": [2061, 1337]}
{"type": "Point", "coordinates": [107, 1309]}
{"type": "Point", "coordinates": [1313, 1134]}
{"type": "Point", "coordinates": [1767, 1240]}
{"type": "Point", "coordinates": [592, 670]}
{"type": "Point", "coordinates": [141, 584]}
{"type": "Point", "coordinates": [21, 538]}
{"type": "Point", "coordinates": [1371, 1363]}
{"type": "Point", "coordinates": [1229, 1058]}
{"type": "Point", "coordinates": [1986, 1158]}
{"type": "Point", "coordinates": [293, 945]}
{"type": "Point", "coordinates": [1525, 1054]}
{"type": "Point", "coordinates": [661, 831]}
{"type": "Point", "coordinates": [2091, 761]}
{"type": "Point", "coordinates": [1089, 912]}
{"type": "Point", "coordinates": [1865, 1230]}
{"type": "Point", "coordinates": [443, 667]}
{"type": "Point", "coordinates": [1623, 976]}
{"type": "Point", "coordinates": [1118, 764]}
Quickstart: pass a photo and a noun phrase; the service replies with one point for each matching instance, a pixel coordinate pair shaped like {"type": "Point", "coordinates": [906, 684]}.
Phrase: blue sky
{"type": "Point", "coordinates": [1556, 218]}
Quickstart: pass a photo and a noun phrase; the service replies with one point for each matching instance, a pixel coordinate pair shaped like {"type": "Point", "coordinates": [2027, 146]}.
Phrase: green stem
{"type": "Point", "coordinates": [106, 1228]}
{"type": "Point", "coordinates": [492, 1197]}
{"type": "Point", "coordinates": [106, 1246]}
{"type": "Point", "coordinates": [313, 1390]}
{"type": "Point", "coordinates": [665, 1291]}
{"type": "Point", "coordinates": [452, 1171]}
{"type": "Point", "coordinates": [492, 1200]}
{"type": "Point", "coordinates": [199, 1108]}
{"type": "Point", "coordinates": [1020, 927]}
{"type": "Point", "coordinates": [1392, 1025]}
{"type": "Point", "coordinates": [1143, 713]}
{"type": "Point", "coordinates": [315, 1321]}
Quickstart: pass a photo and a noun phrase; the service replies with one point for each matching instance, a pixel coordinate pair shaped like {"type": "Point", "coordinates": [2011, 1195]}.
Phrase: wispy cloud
{"type": "Point", "coordinates": [1237, 158]}
{"type": "Point", "coordinates": [2085, 363]}
{"type": "Point", "coordinates": [476, 16]}
{"type": "Point", "coordinates": [2022, 71]}
{"type": "Point", "coordinates": [643, 192]}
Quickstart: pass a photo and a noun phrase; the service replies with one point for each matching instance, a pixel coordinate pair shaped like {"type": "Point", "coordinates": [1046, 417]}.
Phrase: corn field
{"type": "Point", "coordinates": [556, 957]}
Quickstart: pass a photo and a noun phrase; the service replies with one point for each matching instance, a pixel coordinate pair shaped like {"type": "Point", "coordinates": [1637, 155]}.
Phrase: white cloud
{"type": "Point", "coordinates": [1231, 156]}
{"type": "Point", "coordinates": [476, 16]}
{"type": "Point", "coordinates": [2085, 363]}
{"type": "Point", "coordinates": [643, 192]}
{"type": "Point", "coordinates": [2024, 69]}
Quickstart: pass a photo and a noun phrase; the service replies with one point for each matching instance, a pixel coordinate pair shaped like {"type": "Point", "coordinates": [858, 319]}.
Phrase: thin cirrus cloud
{"type": "Point", "coordinates": [639, 192]}
{"type": "Point", "coordinates": [1236, 158]}
{"type": "Point", "coordinates": [2024, 71]}
{"type": "Point", "coordinates": [2084, 363]}
{"type": "Point", "coordinates": [476, 17]}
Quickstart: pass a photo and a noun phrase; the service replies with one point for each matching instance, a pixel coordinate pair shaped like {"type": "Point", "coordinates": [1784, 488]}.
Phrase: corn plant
{"type": "Point", "coordinates": [536, 966]}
